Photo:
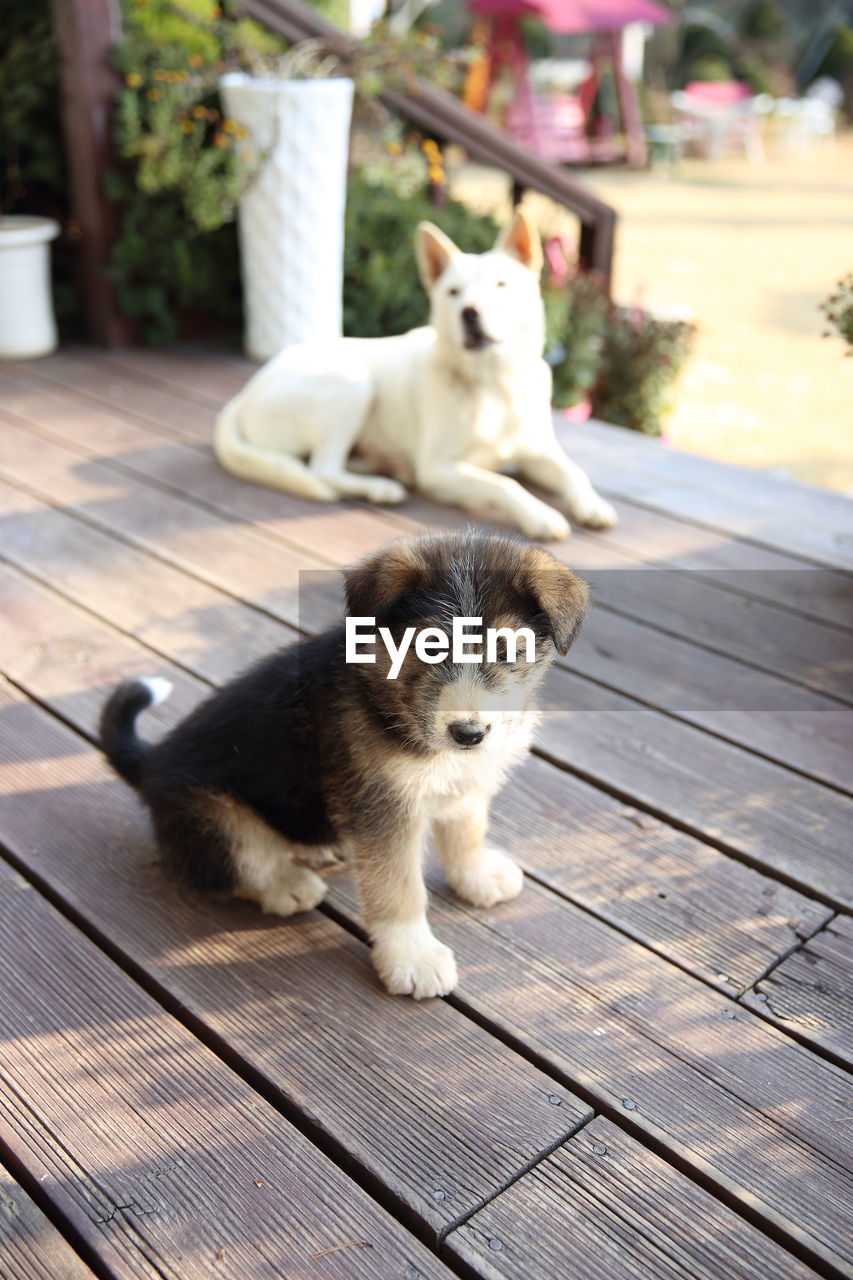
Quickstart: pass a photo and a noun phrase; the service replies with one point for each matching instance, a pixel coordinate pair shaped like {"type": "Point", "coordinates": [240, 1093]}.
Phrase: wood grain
{"type": "Point", "coordinates": [755, 1114]}
{"type": "Point", "coordinates": [161, 1159]}
{"type": "Point", "coordinates": [752, 707]}
{"type": "Point", "coordinates": [603, 1207]}
{"type": "Point", "coordinates": [31, 1248]}
{"type": "Point", "coordinates": [810, 523]}
{"type": "Point", "coordinates": [714, 917]}
{"type": "Point", "coordinates": [421, 1100]}
{"type": "Point", "coordinates": [811, 994]}
{"type": "Point", "coordinates": [773, 819]}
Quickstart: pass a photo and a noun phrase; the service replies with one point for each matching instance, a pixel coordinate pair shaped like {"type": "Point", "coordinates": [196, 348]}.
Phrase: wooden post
{"type": "Point", "coordinates": [86, 31]}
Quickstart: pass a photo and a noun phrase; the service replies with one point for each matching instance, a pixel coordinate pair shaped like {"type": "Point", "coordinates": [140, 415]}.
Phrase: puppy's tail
{"type": "Point", "coordinates": [124, 750]}
{"type": "Point", "coordinates": [264, 466]}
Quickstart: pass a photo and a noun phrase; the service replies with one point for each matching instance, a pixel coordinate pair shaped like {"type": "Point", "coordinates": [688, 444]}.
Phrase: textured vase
{"type": "Point", "coordinates": [291, 217]}
{"type": "Point", "coordinates": [27, 326]}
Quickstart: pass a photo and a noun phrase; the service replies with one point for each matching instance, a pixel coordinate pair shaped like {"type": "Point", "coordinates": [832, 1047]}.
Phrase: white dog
{"type": "Point", "coordinates": [446, 409]}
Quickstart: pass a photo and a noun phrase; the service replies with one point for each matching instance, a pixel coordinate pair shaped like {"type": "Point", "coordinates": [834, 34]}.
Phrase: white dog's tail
{"type": "Point", "coordinates": [264, 466]}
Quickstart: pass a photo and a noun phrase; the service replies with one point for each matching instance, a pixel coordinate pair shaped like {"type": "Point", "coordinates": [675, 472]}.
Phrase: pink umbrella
{"type": "Point", "coordinates": [574, 17]}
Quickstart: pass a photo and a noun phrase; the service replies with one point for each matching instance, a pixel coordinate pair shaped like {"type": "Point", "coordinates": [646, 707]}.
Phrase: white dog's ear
{"type": "Point", "coordinates": [434, 251]}
{"type": "Point", "coordinates": [521, 241]}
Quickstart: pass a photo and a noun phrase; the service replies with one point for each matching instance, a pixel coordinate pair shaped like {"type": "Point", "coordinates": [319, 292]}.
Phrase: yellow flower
{"type": "Point", "coordinates": [200, 113]}
{"type": "Point", "coordinates": [195, 60]}
{"type": "Point", "coordinates": [230, 126]}
{"type": "Point", "coordinates": [436, 173]}
{"type": "Point", "coordinates": [241, 131]}
{"type": "Point", "coordinates": [179, 77]}
{"type": "Point", "coordinates": [134, 79]}
{"type": "Point", "coordinates": [187, 126]}
{"type": "Point", "coordinates": [152, 95]}
{"type": "Point", "coordinates": [221, 139]}
{"type": "Point", "coordinates": [394, 149]}
{"type": "Point", "coordinates": [160, 74]}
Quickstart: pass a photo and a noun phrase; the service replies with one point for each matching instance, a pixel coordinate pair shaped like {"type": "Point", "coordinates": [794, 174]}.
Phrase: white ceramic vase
{"type": "Point", "coordinates": [291, 217]}
{"type": "Point", "coordinates": [27, 324]}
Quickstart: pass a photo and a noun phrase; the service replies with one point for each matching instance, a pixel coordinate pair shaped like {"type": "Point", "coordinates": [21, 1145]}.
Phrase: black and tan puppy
{"type": "Point", "coordinates": [309, 757]}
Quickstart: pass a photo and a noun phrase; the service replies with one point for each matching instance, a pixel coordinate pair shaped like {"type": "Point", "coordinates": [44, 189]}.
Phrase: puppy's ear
{"type": "Point", "coordinates": [433, 250]}
{"type": "Point", "coordinates": [381, 578]}
{"type": "Point", "coordinates": [521, 241]}
{"type": "Point", "coordinates": [561, 595]}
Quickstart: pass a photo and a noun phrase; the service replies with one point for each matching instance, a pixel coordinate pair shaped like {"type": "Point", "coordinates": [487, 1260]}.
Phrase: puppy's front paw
{"type": "Point", "coordinates": [596, 513]}
{"type": "Point", "coordinates": [546, 525]}
{"type": "Point", "coordinates": [410, 961]}
{"type": "Point", "coordinates": [495, 878]}
{"type": "Point", "coordinates": [298, 889]}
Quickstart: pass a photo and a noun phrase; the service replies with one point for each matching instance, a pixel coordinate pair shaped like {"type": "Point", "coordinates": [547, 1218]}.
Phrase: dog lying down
{"type": "Point", "coordinates": [446, 409]}
{"type": "Point", "coordinates": [322, 753]}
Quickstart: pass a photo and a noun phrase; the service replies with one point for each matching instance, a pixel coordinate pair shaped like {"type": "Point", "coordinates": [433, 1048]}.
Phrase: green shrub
{"type": "Point", "coordinates": [177, 181]}
{"type": "Point", "coordinates": [641, 358]}
{"type": "Point", "coordinates": [576, 319]}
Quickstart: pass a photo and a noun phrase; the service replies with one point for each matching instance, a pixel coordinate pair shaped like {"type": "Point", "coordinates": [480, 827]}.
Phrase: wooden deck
{"type": "Point", "coordinates": [644, 1070]}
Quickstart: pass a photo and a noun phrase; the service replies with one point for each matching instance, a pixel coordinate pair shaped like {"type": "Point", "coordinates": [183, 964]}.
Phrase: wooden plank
{"type": "Point", "coordinates": [160, 1158]}
{"type": "Point", "coordinates": [753, 623]}
{"type": "Point", "coordinates": [239, 561]}
{"type": "Point", "coordinates": [642, 535]}
{"type": "Point", "coordinates": [771, 818]}
{"type": "Point", "coordinates": [755, 1115]}
{"type": "Point", "coordinates": [811, 993]}
{"type": "Point", "coordinates": [772, 639]}
{"type": "Point", "coordinates": [605, 1208]}
{"type": "Point", "coordinates": [790, 825]}
{"type": "Point", "coordinates": [794, 727]}
{"type": "Point", "coordinates": [418, 1098]}
{"type": "Point", "coordinates": [714, 917]}
{"type": "Point", "coordinates": [71, 372]}
{"type": "Point", "coordinates": [813, 524]}
{"type": "Point", "coordinates": [196, 625]}
{"type": "Point", "coordinates": [31, 1248]}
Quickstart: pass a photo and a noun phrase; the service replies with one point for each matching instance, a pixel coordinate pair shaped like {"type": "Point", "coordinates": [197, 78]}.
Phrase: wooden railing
{"type": "Point", "coordinates": [446, 119]}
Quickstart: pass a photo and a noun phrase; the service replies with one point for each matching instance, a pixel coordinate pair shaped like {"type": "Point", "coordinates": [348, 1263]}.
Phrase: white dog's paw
{"type": "Point", "coordinates": [297, 889]}
{"type": "Point", "coordinates": [596, 513]}
{"type": "Point", "coordinates": [495, 878]}
{"type": "Point", "coordinates": [410, 961]}
{"type": "Point", "coordinates": [546, 525]}
{"type": "Point", "coordinates": [383, 491]}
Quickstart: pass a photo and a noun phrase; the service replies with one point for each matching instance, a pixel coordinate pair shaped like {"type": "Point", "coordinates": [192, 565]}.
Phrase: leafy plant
{"type": "Point", "coordinates": [179, 176]}
{"type": "Point", "coordinates": [641, 358]}
{"type": "Point", "coordinates": [838, 310]}
{"type": "Point", "coordinates": [575, 322]}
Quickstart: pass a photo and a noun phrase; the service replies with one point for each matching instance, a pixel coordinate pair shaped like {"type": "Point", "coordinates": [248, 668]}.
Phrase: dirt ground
{"type": "Point", "coordinates": [750, 250]}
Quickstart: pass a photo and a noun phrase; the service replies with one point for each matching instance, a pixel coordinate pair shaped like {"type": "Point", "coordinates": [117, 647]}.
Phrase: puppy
{"type": "Point", "coordinates": [341, 747]}
{"type": "Point", "coordinates": [448, 409]}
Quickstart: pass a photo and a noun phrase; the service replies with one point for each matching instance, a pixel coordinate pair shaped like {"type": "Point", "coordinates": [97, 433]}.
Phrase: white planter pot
{"type": "Point", "coordinates": [291, 218]}
{"type": "Point", "coordinates": [27, 326]}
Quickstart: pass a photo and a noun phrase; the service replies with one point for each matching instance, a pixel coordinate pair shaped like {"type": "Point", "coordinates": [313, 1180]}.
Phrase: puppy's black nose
{"type": "Point", "coordinates": [467, 733]}
{"type": "Point", "coordinates": [470, 317]}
